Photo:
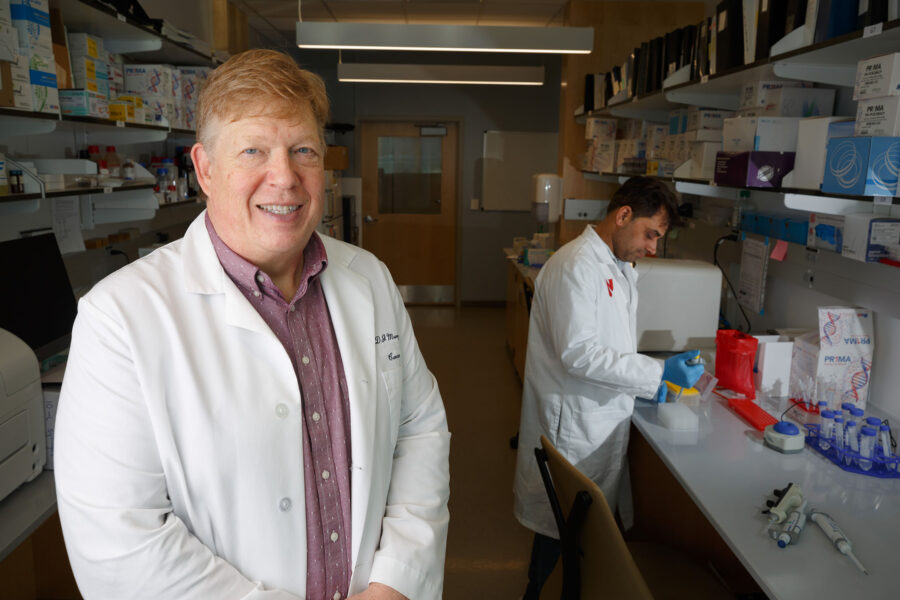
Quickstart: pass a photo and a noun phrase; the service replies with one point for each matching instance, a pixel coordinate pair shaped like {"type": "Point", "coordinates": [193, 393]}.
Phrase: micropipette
{"type": "Point", "coordinates": [693, 362]}
{"type": "Point", "coordinates": [837, 537]}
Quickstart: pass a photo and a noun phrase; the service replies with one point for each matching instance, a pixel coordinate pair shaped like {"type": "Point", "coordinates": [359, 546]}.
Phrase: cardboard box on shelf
{"type": "Point", "coordinates": [799, 102]}
{"type": "Point", "coordinates": [878, 117]}
{"type": "Point", "coordinates": [84, 44]}
{"type": "Point", "coordinates": [703, 159]}
{"type": "Point", "coordinates": [753, 94]}
{"type": "Point", "coordinates": [812, 138]}
{"type": "Point", "coordinates": [83, 103]}
{"type": "Point", "coordinates": [599, 129]}
{"type": "Point", "coordinates": [869, 238]}
{"type": "Point", "coordinates": [9, 42]}
{"type": "Point", "coordinates": [42, 76]}
{"type": "Point", "coordinates": [705, 118]}
{"type": "Point", "coordinates": [753, 169]}
{"type": "Point", "coordinates": [32, 19]}
{"type": "Point", "coordinates": [7, 96]}
{"type": "Point", "coordinates": [877, 77]}
{"type": "Point", "coordinates": [764, 134]}
{"type": "Point", "coordinates": [149, 80]}
{"type": "Point", "coordinates": [862, 166]}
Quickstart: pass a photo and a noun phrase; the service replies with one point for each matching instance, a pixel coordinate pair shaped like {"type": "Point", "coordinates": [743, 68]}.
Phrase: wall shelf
{"type": "Point", "coordinates": [122, 35]}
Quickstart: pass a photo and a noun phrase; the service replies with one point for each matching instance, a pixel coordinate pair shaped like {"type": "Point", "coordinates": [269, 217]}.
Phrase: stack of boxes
{"type": "Point", "coordinates": [867, 163]}
{"type": "Point", "coordinates": [192, 80]}
{"type": "Point", "coordinates": [90, 76]}
{"type": "Point", "coordinates": [702, 140]}
{"type": "Point", "coordinates": [38, 91]}
{"type": "Point", "coordinates": [153, 83]}
{"type": "Point", "coordinates": [600, 139]}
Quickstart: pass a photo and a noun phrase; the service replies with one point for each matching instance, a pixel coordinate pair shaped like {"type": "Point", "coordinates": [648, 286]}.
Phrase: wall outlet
{"type": "Point", "coordinates": [475, 204]}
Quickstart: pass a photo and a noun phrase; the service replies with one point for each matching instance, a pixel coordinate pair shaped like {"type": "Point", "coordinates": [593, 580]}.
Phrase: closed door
{"type": "Point", "coordinates": [409, 205]}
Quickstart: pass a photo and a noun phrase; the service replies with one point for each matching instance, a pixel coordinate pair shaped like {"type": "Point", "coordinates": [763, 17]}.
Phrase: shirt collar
{"type": "Point", "coordinates": [248, 276]}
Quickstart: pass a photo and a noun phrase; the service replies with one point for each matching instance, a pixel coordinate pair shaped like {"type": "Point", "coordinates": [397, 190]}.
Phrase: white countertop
{"type": "Point", "coordinates": [729, 474]}
{"type": "Point", "coordinates": [24, 510]}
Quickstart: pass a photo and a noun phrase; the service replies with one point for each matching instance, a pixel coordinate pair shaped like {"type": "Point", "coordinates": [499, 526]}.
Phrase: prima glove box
{"type": "Point", "coordinates": [678, 304]}
{"type": "Point", "coordinates": [22, 431]}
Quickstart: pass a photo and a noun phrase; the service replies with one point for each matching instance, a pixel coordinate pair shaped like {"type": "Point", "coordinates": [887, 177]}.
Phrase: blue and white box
{"type": "Point", "coordinates": [32, 19]}
{"type": "Point", "coordinates": [862, 166]}
{"type": "Point", "coordinates": [868, 238]}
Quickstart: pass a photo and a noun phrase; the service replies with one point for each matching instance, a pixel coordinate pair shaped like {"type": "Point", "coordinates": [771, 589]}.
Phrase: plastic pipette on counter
{"type": "Point", "coordinates": [837, 537]}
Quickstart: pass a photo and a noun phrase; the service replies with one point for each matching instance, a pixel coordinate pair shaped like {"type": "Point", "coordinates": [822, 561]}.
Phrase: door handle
{"type": "Point", "coordinates": [370, 219]}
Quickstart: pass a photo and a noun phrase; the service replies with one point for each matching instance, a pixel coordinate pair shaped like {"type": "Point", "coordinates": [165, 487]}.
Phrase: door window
{"type": "Point", "coordinates": [409, 175]}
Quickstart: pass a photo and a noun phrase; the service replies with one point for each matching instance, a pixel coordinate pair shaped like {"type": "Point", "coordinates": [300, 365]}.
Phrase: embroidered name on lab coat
{"type": "Point", "coordinates": [609, 287]}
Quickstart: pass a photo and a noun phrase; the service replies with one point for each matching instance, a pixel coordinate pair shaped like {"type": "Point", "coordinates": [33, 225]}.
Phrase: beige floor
{"type": "Point", "coordinates": [487, 549]}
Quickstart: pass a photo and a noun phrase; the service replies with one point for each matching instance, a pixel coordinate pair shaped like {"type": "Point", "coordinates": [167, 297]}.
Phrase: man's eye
{"type": "Point", "coordinates": [306, 150]}
{"type": "Point", "coordinates": [251, 151]}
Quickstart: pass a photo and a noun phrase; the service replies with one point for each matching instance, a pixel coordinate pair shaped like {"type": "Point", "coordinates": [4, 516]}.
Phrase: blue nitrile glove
{"type": "Point", "coordinates": [677, 371]}
{"type": "Point", "coordinates": [662, 392]}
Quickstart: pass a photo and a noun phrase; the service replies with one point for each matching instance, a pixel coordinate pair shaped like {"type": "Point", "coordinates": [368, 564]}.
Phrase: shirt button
{"type": "Point", "coordinates": [285, 504]}
{"type": "Point", "coordinates": [325, 474]}
{"type": "Point", "coordinates": [293, 307]}
{"type": "Point", "coordinates": [337, 596]}
{"type": "Point", "coordinates": [334, 536]}
{"type": "Point", "coordinates": [305, 360]}
{"type": "Point", "coordinates": [256, 293]}
{"type": "Point", "coordinates": [282, 410]}
{"type": "Point", "coordinates": [316, 416]}
{"type": "Point", "coordinates": [260, 278]}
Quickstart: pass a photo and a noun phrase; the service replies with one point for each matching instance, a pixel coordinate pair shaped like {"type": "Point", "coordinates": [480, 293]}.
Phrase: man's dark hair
{"type": "Point", "coordinates": [646, 196]}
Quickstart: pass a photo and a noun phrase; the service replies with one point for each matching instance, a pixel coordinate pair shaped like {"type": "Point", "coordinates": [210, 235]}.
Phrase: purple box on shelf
{"type": "Point", "coordinates": [753, 169]}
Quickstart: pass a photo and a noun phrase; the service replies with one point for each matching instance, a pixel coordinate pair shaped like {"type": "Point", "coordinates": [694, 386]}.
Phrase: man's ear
{"type": "Point", "coordinates": [201, 161]}
{"type": "Point", "coordinates": [623, 215]}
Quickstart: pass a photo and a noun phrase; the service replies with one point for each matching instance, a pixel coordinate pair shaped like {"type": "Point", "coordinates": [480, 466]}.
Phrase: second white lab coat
{"type": "Point", "coordinates": [582, 372]}
{"type": "Point", "coordinates": [179, 463]}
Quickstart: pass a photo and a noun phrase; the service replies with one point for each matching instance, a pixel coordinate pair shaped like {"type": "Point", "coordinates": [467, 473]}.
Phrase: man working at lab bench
{"type": "Point", "coordinates": [582, 370]}
{"type": "Point", "coordinates": [245, 412]}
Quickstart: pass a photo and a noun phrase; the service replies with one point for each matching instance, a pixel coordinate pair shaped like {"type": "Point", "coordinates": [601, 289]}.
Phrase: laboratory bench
{"type": "Point", "coordinates": [704, 491]}
{"type": "Point", "coordinates": [519, 292]}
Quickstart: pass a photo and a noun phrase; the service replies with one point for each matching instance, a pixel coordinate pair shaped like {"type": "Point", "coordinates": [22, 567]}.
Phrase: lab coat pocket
{"type": "Point", "coordinates": [393, 383]}
{"type": "Point", "coordinates": [592, 437]}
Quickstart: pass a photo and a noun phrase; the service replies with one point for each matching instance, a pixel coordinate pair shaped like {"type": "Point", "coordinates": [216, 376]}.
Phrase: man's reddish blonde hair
{"type": "Point", "coordinates": [256, 83]}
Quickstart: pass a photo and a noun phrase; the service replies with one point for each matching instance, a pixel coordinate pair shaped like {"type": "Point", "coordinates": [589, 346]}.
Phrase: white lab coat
{"type": "Point", "coordinates": [582, 372]}
{"type": "Point", "coordinates": [179, 473]}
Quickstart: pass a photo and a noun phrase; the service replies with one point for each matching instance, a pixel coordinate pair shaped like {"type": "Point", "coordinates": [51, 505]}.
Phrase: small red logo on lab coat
{"type": "Point", "coordinates": [609, 287]}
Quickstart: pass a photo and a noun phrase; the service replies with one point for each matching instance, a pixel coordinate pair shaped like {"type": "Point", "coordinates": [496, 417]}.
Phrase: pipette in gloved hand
{"type": "Point", "coordinates": [693, 362]}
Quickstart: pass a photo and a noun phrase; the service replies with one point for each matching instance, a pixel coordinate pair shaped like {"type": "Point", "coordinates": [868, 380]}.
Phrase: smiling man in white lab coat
{"type": "Point", "coordinates": [245, 412]}
{"type": "Point", "coordinates": [582, 369]}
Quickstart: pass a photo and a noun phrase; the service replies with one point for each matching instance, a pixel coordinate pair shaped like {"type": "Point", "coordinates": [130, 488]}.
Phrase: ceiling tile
{"type": "Point", "coordinates": [520, 14]}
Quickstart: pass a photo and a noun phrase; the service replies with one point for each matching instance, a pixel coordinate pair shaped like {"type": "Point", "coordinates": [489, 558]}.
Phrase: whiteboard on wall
{"type": "Point", "coordinates": [509, 159]}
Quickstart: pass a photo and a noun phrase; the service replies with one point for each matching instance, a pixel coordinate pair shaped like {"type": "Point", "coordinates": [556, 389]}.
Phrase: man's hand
{"type": "Point", "coordinates": [379, 591]}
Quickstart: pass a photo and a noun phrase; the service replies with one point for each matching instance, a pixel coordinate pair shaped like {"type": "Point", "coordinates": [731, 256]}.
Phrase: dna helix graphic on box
{"type": "Point", "coordinates": [830, 329]}
{"type": "Point", "coordinates": [858, 381]}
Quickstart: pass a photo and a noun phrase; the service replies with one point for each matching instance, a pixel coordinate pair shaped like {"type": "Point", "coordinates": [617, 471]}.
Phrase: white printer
{"type": "Point", "coordinates": [678, 304]}
{"type": "Point", "coordinates": [23, 448]}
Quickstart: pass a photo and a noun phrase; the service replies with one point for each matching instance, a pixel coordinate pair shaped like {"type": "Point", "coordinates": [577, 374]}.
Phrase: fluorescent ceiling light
{"type": "Point", "coordinates": [458, 74]}
{"type": "Point", "coordinates": [457, 38]}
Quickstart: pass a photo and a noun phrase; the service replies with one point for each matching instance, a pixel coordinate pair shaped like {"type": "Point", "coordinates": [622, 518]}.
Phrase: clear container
{"type": "Point", "coordinates": [102, 173]}
{"type": "Point", "coordinates": [171, 188]}
{"type": "Point", "coordinates": [839, 435]}
{"type": "Point", "coordinates": [128, 172]}
{"type": "Point", "coordinates": [162, 181]}
{"type": "Point", "coordinates": [884, 434]}
{"type": "Point", "coordinates": [94, 154]}
{"type": "Point", "coordinates": [168, 163]}
{"type": "Point", "coordinates": [873, 422]}
{"type": "Point", "coordinates": [866, 447]}
{"type": "Point", "coordinates": [817, 418]}
{"type": "Point", "coordinates": [826, 429]}
{"type": "Point", "coordinates": [847, 406]}
{"type": "Point", "coordinates": [851, 441]}
{"type": "Point", "coordinates": [113, 162]}
{"type": "Point", "coordinates": [858, 414]}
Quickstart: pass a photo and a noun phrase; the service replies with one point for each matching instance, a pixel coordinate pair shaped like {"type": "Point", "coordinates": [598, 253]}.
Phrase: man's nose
{"type": "Point", "coordinates": [282, 170]}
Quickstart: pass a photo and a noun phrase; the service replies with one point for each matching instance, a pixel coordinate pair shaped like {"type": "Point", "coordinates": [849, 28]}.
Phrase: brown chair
{"type": "Point", "coordinates": [596, 561]}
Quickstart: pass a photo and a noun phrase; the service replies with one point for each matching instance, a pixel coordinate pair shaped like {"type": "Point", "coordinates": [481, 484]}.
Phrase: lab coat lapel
{"type": "Point", "coordinates": [204, 274]}
{"type": "Point", "coordinates": [350, 303]}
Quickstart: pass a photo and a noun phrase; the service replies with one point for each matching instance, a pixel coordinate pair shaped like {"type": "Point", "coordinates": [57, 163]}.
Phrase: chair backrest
{"type": "Point", "coordinates": [607, 569]}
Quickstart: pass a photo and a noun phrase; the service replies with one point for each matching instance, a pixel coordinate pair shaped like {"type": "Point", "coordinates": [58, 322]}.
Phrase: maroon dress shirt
{"type": "Point", "coordinates": [304, 328]}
